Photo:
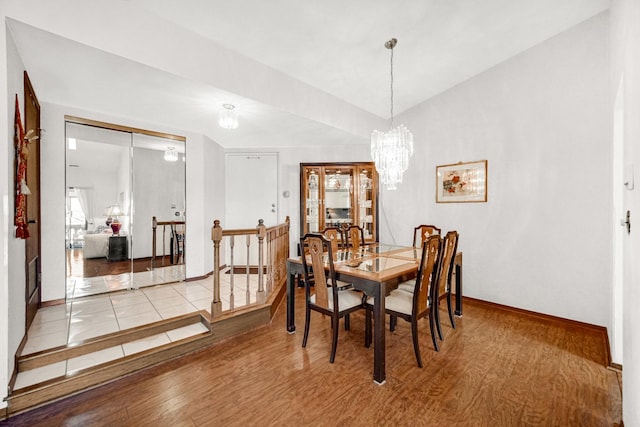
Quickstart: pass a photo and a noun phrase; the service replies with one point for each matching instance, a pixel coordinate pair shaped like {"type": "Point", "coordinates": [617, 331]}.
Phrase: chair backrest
{"type": "Point", "coordinates": [334, 234]}
{"type": "Point", "coordinates": [354, 237]}
{"type": "Point", "coordinates": [427, 273]}
{"type": "Point", "coordinates": [449, 248]}
{"type": "Point", "coordinates": [313, 248]}
{"type": "Point", "coordinates": [422, 232]}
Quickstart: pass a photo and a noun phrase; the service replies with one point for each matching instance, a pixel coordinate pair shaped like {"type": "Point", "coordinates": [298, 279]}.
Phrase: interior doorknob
{"type": "Point", "coordinates": [32, 221]}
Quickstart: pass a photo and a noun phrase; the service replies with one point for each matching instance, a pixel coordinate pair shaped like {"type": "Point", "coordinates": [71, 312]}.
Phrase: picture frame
{"type": "Point", "coordinates": [463, 182]}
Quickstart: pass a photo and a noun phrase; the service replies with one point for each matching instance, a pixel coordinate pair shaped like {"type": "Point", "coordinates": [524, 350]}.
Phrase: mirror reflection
{"type": "Point", "coordinates": [125, 199]}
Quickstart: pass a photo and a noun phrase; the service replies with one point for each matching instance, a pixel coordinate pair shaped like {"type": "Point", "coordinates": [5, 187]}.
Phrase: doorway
{"type": "Point", "coordinates": [33, 291]}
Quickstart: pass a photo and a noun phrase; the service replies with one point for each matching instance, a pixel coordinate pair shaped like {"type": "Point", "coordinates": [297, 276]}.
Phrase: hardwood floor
{"type": "Point", "coordinates": [498, 368]}
{"type": "Point", "coordinates": [93, 267]}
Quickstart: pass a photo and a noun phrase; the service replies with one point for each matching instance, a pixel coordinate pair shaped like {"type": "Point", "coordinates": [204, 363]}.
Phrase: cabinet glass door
{"type": "Point", "coordinates": [312, 185]}
{"type": "Point", "coordinates": [366, 200]}
{"type": "Point", "coordinates": [338, 196]}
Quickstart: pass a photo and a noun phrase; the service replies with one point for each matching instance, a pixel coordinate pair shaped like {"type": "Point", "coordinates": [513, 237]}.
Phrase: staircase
{"type": "Point", "coordinates": [211, 331]}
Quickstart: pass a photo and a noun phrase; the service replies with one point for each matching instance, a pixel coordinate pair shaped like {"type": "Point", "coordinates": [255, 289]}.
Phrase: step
{"type": "Point", "coordinates": [43, 385]}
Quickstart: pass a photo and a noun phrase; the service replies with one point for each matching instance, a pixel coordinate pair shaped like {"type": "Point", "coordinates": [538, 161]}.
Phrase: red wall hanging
{"type": "Point", "coordinates": [22, 153]}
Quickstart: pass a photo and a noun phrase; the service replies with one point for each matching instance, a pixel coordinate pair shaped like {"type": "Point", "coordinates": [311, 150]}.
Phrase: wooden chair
{"type": "Point", "coordinates": [449, 248]}
{"type": "Point", "coordinates": [331, 297]}
{"type": "Point", "coordinates": [413, 306]}
{"type": "Point", "coordinates": [354, 237]}
{"type": "Point", "coordinates": [423, 232]}
{"type": "Point", "coordinates": [336, 236]}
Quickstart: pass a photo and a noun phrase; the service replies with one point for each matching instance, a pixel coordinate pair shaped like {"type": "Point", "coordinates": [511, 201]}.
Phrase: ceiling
{"type": "Point", "coordinates": [334, 46]}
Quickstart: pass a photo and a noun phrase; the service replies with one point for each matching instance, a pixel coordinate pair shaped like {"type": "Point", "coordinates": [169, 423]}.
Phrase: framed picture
{"type": "Point", "coordinates": [462, 182]}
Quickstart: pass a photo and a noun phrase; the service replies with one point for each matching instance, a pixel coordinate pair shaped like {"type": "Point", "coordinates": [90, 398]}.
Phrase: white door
{"type": "Point", "coordinates": [251, 186]}
{"type": "Point", "coordinates": [251, 192]}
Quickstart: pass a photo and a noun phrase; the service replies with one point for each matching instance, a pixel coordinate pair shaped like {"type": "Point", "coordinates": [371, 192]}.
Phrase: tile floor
{"type": "Point", "coordinates": [78, 286]}
{"type": "Point", "coordinates": [94, 315]}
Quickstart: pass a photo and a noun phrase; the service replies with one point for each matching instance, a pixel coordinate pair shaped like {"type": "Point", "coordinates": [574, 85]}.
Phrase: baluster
{"type": "Point", "coordinates": [270, 242]}
{"type": "Point", "coordinates": [262, 231]}
{"type": "Point", "coordinates": [248, 270]}
{"type": "Point", "coordinates": [232, 272]}
{"type": "Point", "coordinates": [216, 236]}
{"type": "Point", "coordinates": [154, 226]}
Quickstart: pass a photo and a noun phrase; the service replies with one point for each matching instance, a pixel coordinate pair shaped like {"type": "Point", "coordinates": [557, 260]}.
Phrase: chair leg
{"type": "Point", "coordinates": [433, 331]}
{"type": "Point", "coordinates": [367, 327]}
{"type": "Point", "coordinates": [307, 320]}
{"type": "Point", "coordinates": [450, 308]}
{"type": "Point", "coordinates": [347, 324]}
{"type": "Point", "coordinates": [335, 321]}
{"type": "Point", "coordinates": [393, 321]}
{"type": "Point", "coordinates": [416, 345]}
{"type": "Point", "coordinates": [436, 316]}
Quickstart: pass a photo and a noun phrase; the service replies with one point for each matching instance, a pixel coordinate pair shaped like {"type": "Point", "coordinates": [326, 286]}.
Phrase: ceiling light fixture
{"type": "Point", "coordinates": [228, 117]}
{"type": "Point", "coordinates": [391, 150]}
{"type": "Point", "coordinates": [170, 154]}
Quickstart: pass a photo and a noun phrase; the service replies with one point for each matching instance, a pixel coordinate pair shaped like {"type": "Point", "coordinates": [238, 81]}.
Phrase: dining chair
{"type": "Point", "coordinates": [449, 248]}
{"type": "Point", "coordinates": [330, 297]}
{"type": "Point", "coordinates": [336, 236]}
{"type": "Point", "coordinates": [354, 237]}
{"type": "Point", "coordinates": [413, 306]}
{"type": "Point", "coordinates": [423, 232]}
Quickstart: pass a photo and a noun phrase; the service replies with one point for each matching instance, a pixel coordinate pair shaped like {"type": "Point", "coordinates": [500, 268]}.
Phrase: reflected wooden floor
{"type": "Point", "coordinates": [498, 368]}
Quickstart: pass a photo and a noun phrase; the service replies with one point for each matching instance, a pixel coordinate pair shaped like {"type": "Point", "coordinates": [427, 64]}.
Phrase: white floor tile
{"type": "Point", "coordinates": [160, 292]}
{"type": "Point", "coordinates": [91, 305]}
{"type": "Point", "coordinates": [168, 302]}
{"type": "Point", "coordinates": [43, 342]}
{"type": "Point", "coordinates": [122, 299]}
{"type": "Point", "coordinates": [38, 329]}
{"type": "Point", "coordinates": [134, 309]}
{"type": "Point", "coordinates": [85, 330]}
{"type": "Point", "coordinates": [38, 375]}
{"type": "Point", "coordinates": [138, 320]}
{"type": "Point", "coordinates": [176, 310]}
{"type": "Point", "coordinates": [54, 312]}
{"type": "Point", "coordinates": [203, 304]}
{"type": "Point", "coordinates": [93, 359]}
{"type": "Point", "coordinates": [186, 331]}
{"type": "Point", "coordinates": [145, 344]}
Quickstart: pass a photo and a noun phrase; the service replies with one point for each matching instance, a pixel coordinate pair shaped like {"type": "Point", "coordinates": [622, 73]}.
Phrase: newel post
{"type": "Point", "coordinates": [261, 232]}
{"type": "Point", "coordinates": [216, 236]}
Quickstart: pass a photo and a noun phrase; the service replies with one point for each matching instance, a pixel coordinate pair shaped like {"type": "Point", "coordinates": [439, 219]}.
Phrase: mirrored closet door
{"type": "Point", "coordinates": [125, 208]}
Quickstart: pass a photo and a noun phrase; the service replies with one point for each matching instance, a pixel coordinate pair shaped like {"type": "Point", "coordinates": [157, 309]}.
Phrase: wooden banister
{"type": "Point", "coordinates": [272, 242]}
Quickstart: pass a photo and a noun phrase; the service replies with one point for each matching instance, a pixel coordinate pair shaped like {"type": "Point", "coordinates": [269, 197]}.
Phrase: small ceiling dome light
{"type": "Point", "coordinates": [228, 117]}
{"type": "Point", "coordinates": [170, 154]}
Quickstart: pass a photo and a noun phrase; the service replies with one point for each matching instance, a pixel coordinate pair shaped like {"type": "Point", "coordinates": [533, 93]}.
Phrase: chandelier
{"type": "Point", "coordinates": [391, 150]}
{"type": "Point", "coordinates": [228, 118]}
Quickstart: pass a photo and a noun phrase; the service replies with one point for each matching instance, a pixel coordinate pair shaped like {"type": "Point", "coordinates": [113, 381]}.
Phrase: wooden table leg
{"type": "Point", "coordinates": [458, 268]}
{"type": "Point", "coordinates": [379, 369]}
{"type": "Point", "coordinates": [291, 302]}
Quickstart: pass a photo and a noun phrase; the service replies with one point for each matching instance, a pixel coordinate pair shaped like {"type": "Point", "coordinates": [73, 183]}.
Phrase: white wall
{"type": "Point", "coordinates": [213, 196]}
{"type": "Point", "coordinates": [542, 120]}
{"type": "Point", "coordinates": [12, 250]}
{"type": "Point", "coordinates": [625, 61]}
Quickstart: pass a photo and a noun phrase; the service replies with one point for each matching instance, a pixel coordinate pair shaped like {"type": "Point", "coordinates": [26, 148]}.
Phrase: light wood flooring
{"type": "Point", "coordinates": [498, 368]}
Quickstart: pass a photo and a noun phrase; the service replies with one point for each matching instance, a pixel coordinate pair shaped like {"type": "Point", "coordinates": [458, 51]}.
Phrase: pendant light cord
{"type": "Point", "coordinates": [391, 88]}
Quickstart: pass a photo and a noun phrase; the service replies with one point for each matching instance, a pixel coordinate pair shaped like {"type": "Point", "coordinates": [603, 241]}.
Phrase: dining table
{"type": "Point", "coordinates": [375, 269]}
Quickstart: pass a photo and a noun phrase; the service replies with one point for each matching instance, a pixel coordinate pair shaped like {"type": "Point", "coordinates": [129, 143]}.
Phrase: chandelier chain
{"type": "Point", "coordinates": [391, 88]}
